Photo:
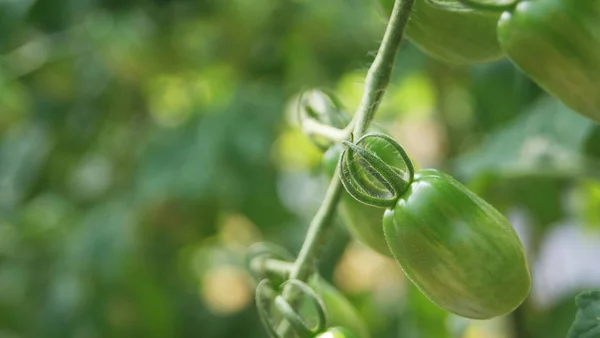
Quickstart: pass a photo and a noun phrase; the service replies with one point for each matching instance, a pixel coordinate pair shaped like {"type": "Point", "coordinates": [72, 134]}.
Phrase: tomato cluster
{"type": "Point", "coordinates": [455, 247]}
{"type": "Point", "coordinates": [555, 42]}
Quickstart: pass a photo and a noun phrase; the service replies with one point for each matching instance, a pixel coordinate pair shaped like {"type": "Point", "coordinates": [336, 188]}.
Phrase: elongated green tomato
{"type": "Point", "coordinates": [337, 332]}
{"type": "Point", "coordinates": [453, 34]}
{"type": "Point", "coordinates": [363, 221]}
{"type": "Point", "coordinates": [456, 248]}
{"type": "Point", "coordinates": [557, 44]}
{"type": "Point", "coordinates": [340, 310]}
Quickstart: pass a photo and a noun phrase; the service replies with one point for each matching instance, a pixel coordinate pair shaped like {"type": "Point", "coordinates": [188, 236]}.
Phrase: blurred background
{"type": "Point", "coordinates": [145, 144]}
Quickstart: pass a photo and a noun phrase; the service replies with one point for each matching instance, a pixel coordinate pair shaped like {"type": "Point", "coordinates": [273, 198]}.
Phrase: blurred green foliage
{"type": "Point", "coordinates": [587, 322]}
{"type": "Point", "coordinates": [144, 145]}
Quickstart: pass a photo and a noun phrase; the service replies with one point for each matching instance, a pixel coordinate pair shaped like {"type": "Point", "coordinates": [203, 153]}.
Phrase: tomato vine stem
{"type": "Point", "coordinates": [380, 71]}
{"type": "Point", "coordinates": [274, 266]}
{"type": "Point", "coordinates": [376, 83]}
{"type": "Point", "coordinates": [312, 127]}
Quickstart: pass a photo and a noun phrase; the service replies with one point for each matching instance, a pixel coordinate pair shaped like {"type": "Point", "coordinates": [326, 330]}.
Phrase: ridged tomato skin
{"type": "Point", "coordinates": [456, 34]}
{"type": "Point", "coordinates": [557, 44]}
{"type": "Point", "coordinates": [456, 248]}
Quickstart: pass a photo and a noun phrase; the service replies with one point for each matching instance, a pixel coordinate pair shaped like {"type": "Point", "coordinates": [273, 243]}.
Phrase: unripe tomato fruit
{"type": "Point", "coordinates": [457, 35]}
{"type": "Point", "coordinates": [557, 44]}
{"type": "Point", "coordinates": [456, 248]}
{"type": "Point", "coordinates": [340, 311]}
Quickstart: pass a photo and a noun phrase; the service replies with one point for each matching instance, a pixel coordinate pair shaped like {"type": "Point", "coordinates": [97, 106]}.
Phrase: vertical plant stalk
{"type": "Point", "coordinates": [376, 83]}
{"type": "Point", "coordinates": [380, 72]}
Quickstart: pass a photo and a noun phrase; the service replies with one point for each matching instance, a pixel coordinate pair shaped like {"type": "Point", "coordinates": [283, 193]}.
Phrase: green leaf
{"type": "Point", "coordinates": [23, 150]}
{"type": "Point", "coordinates": [546, 141]}
{"type": "Point", "coordinates": [587, 320]}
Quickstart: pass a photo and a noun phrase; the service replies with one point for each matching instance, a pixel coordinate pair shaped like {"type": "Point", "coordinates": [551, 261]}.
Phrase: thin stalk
{"type": "Point", "coordinates": [277, 267]}
{"type": "Point", "coordinates": [312, 127]}
{"type": "Point", "coordinates": [380, 72]}
{"type": "Point", "coordinates": [376, 83]}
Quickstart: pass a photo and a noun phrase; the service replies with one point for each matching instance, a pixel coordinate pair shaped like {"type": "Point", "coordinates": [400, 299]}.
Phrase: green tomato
{"type": "Point", "coordinates": [363, 221]}
{"type": "Point", "coordinates": [337, 332]}
{"type": "Point", "coordinates": [456, 248]}
{"type": "Point", "coordinates": [340, 311]}
{"type": "Point", "coordinates": [557, 44]}
{"type": "Point", "coordinates": [456, 34]}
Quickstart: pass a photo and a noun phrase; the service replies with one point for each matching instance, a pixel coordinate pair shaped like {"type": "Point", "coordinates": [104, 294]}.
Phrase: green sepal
{"type": "Point", "coordinates": [373, 178]}
{"type": "Point", "coordinates": [264, 250]}
{"type": "Point", "coordinates": [351, 178]}
{"type": "Point", "coordinates": [317, 302]}
{"type": "Point", "coordinates": [265, 296]}
{"type": "Point", "coordinates": [323, 107]}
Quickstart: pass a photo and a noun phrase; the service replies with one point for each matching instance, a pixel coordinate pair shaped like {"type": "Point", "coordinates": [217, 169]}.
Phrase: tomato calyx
{"type": "Point", "coordinates": [269, 299]}
{"type": "Point", "coordinates": [321, 109]}
{"type": "Point", "coordinates": [376, 170]}
{"type": "Point", "coordinates": [259, 253]}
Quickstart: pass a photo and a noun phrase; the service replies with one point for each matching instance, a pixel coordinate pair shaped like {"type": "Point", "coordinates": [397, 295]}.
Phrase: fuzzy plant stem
{"type": "Point", "coordinates": [376, 83]}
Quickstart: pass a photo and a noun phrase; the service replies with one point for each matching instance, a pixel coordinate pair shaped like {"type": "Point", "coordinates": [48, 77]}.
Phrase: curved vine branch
{"type": "Point", "coordinates": [376, 84]}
